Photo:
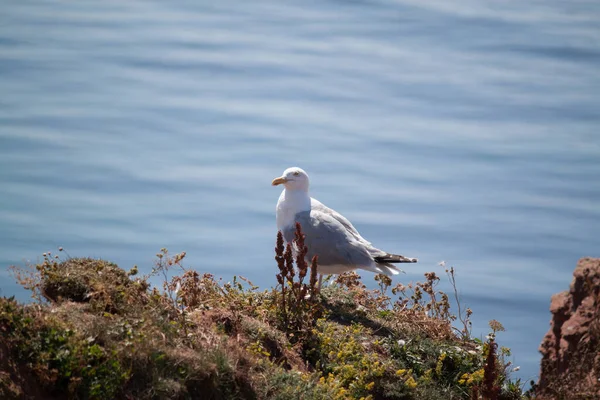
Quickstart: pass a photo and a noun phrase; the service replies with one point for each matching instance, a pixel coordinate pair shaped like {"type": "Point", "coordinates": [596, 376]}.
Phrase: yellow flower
{"type": "Point", "coordinates": [440, 364]}
{"type": "Point", "coordinates": [369, 386]}
{"type": "Point", "coordinates": [476, 377]}
{"type": "Point", "coordinates": [470, 379]}
{"type": "Point", "coordinates": [410, 383]}
{"type": "Point", "coordinates": [400, 372]}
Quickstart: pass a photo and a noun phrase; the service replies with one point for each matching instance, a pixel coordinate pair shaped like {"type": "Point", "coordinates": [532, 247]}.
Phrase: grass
{"type": "Point", "coordinates": [97, 331]}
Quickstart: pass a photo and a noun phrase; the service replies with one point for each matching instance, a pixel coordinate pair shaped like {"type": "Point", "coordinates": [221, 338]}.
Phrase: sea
{"type": "Point", "coordinates": [464, 133]}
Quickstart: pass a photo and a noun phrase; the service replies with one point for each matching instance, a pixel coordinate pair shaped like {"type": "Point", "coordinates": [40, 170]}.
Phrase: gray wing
{"type": "Point", "coordinates": [330, 239]}
{"type": "Point", "coordinates": [318, 206]}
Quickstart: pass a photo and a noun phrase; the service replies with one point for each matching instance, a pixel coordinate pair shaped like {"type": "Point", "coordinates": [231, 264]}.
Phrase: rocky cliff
{"type": "Point", "coordinates": [570, 367]}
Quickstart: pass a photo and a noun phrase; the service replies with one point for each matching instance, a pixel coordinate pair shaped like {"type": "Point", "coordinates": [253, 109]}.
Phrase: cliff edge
{"type": "Point", "coordinates": [570, 367]}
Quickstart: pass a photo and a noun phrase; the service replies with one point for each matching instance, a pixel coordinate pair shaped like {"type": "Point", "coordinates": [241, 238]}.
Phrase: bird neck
{"type": "Point", "coordinates": [298, 200]}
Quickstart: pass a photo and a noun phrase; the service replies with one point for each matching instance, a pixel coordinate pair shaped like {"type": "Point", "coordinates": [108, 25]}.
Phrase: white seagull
{"type": "Point", "coordinates": [329, 235]}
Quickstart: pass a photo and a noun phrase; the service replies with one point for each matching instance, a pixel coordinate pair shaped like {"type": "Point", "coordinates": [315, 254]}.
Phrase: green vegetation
{"type": "Point", "coordinates": [99, 332]}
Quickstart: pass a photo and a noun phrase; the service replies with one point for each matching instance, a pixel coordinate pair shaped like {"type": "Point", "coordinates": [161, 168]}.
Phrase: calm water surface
{"type": "Point", "coordinates": [463, 132]}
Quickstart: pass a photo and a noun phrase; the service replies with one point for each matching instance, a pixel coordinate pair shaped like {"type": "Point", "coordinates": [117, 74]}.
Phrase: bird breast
{"type": "Point", "coordinates": [288, 206]}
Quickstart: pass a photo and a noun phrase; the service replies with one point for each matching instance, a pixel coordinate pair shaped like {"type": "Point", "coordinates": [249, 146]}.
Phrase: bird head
{"type": "Point", "coordinates": [293, 178]}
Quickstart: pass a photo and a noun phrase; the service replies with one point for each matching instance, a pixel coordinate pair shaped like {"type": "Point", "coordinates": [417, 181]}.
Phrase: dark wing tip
{"type": "Point", "coordinates": [394, 258]}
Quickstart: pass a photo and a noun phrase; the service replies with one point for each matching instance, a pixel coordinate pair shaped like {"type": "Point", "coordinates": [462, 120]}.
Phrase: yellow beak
{"type": "Point", "coordinates": [278, 181]}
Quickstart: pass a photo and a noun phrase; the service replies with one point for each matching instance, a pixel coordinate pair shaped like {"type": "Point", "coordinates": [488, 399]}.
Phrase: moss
{"type": "Point", "coordinates": [61, 360]}
{"type": "Point", "coordinates": [103, 284]}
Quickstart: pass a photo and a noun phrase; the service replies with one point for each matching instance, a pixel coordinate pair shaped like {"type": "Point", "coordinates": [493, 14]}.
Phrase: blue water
{"type": "Point", "coordinates": [463, 132]}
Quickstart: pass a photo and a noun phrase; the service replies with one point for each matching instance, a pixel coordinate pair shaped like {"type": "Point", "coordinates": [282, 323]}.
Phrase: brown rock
{"type": "Point", "coordinates": [570, 367]}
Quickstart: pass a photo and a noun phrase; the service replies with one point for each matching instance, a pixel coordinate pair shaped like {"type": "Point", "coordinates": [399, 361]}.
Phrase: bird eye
{"type": "Point", "coordinates": [296, 173]}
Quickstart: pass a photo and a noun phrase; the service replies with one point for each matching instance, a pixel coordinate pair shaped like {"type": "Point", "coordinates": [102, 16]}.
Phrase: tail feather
{"type": "Point", "coordinates": [394, 258]}
{"type": "Point", "coordinates": [389, 269]}
{"type": "Point", "coordinates": [382, 268]}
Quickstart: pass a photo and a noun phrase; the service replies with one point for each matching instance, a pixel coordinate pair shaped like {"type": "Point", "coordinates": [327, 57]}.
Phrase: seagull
{"type": "Point", "coordinates": [329, 235]}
